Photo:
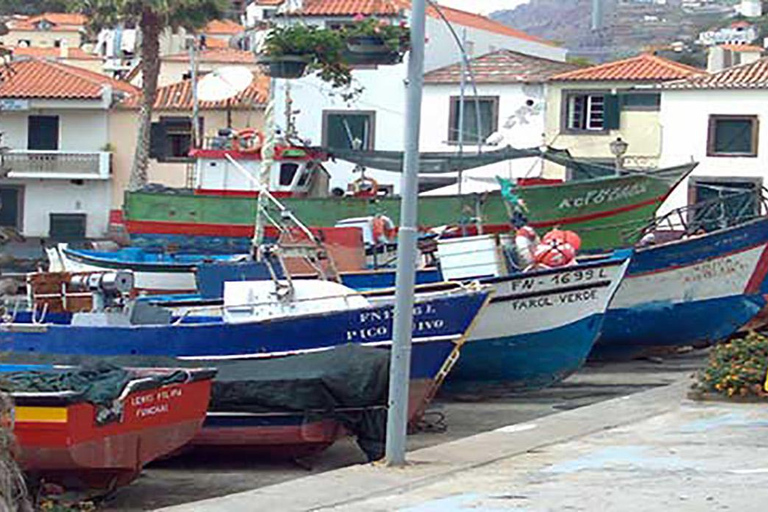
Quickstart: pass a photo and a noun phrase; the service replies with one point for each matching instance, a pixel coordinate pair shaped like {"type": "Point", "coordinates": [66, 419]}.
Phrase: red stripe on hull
{"type": "Point", "coordinates": [758, 276]}
{"type": "Point", "coordinates": [596, 215]}
{"type": "Point", "coordinates": [242, 193]}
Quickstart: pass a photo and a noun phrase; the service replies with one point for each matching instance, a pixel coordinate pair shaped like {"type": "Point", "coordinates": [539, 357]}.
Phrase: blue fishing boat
{"type": "Point", "coordinates": [261, 320]}
{"type": "Point", "coordinates": [695, 290]}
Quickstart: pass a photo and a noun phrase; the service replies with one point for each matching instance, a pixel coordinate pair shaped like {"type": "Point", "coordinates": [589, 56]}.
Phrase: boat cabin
{"type": "Point", "coordinates": [296, 171]}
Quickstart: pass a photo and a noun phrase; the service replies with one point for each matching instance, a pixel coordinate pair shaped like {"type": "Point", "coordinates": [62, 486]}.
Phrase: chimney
{"type": "Point", "coordinates": [63, 50]}
{"type": "Point", "coordinates": [716, 59]}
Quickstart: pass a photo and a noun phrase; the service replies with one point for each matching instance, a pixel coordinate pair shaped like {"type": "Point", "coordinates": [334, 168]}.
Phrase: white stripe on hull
{"type": "Point", "coordinates": [725, 276]}
{"type": "Point", "coordinates": [556, 308]}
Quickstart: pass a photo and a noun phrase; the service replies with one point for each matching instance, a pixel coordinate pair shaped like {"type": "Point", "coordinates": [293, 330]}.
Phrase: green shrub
{"type": "Point", "coordinates": [736, 368]}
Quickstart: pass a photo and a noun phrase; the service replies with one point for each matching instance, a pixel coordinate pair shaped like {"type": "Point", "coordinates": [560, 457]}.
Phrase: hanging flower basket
{"type": "Point", "coordinates": [284, 66]}
{"type": "Point", "coordinates": [373, 41]}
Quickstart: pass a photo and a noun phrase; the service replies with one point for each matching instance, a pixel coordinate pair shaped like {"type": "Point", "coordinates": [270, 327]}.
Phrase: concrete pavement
{"type": "Point", "coordinates": [654, 450]}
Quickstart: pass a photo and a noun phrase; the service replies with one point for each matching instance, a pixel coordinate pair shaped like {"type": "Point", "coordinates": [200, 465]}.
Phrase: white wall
{"type": "Point", "coordinates": [43, 197]}
{"type": "Point", "coordinates": [524, 125]}
{"type": "Point", "coordinates": [79, 130]}
{"type": "Point", "coordinates": [685, 125]}
{"type": "Point", "coordinates": [384, 92]}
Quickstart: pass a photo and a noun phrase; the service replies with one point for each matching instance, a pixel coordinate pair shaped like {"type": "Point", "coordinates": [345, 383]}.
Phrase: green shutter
{"type": "Point", "coordinates": [612, 112]}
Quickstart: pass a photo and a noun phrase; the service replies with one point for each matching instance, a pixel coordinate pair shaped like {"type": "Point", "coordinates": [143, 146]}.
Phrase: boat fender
{"type": "Point", "coordinates": [365, 187]}
{"type": "Point", "coordinates": [563, 237]}
{"type": "Point", "coordinates": [526, 240]}
{"type": "Point", "coordinates": [383, 229]}
{"type": "Point", "coordinates": [554, 254]}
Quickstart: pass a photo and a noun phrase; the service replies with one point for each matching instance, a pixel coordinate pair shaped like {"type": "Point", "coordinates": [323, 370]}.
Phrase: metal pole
{"type": "Point", "coordinates": [462, 84]}
{"type": "Point", "coordinates": [196, 135]}
{"type": "Point", "coordinates": [400, 366]}
{"type": "Point", "coordinates": [267, 158]}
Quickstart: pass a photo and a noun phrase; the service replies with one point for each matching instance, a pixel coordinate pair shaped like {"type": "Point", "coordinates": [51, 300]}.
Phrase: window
{"type": "Point", "coordinates": [24, 43]}
{"type": "Point", "coordinates": [43, 133]}
{"type": "Point", "coordinates": [342, 129]}
{"type": "Point", "coordinates": [287, 173]}
{"type": "Point", "coordinates": [171, 138]}
{"type": "Point", "coordinates": [732, 136]}
{"type": "Point", "coordinates": [489, 119]}
{"type": "Point", "coordinates": [641, 101]}
{"type": "Point", "coordinates": [591, 112]}
{"type": "Point", "coordinates": [67, 226]}
{"type": "Point", "coordinates": [57, 43]}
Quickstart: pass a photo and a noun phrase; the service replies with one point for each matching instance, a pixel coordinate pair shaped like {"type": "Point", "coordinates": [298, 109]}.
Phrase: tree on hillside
{"type": "Point", "coordinates": [152, 17]}
{"type": "Point", "coordinates": [31, 6]}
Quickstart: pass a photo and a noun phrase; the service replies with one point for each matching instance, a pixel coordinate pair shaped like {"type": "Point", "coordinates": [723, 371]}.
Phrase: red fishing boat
{"type": "Point", "coordinates": [67, 439]}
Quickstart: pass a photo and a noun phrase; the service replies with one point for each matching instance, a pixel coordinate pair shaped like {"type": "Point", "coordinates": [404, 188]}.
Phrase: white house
{"type": "Point", "coordinates": [377, 116]}
{"type": "Point", "coordinates": [511, 98]}
{"type": "Point", "coordinates": [739, 32]}
{"type": "Point", "coordinates": [56, 175]}
{"type": "Point", "coordinates": [721, 121]}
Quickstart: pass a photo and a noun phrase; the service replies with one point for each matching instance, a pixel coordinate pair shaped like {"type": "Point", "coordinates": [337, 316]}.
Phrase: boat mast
{"type": "Point", "coordinates": [267, 158]}
{"type": "Point", "coordinates": [400, 365]}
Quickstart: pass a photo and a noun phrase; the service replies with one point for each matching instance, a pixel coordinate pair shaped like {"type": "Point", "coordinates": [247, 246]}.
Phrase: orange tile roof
{"type": "Point", "coordinates": [746, 76]}
{"type": "Point", "coordinates": [393, 7]}
{"type": "Point", "coordinates": [212, 42]}
{"type": "Point", "coordinates": [62, 22]}
{"type": "Point", "coordinates": [502, 67]}
{"type": "Point", "coordinates": [642, 68]}
{"type": "Point", "coordinates": [270, 2]}
{"type": "Point", "coordinates": [44, 79]}
{"type": "Point", "coordinates": [742, 48]}
{"type": "Point", "coordinates": [178, 96]}
{"type": "Point", "coordinates": [217, 55]}
{"type": "Point", "coordinates": [53, 53]}
{"type": "Point", "coordinates": [222, 27]}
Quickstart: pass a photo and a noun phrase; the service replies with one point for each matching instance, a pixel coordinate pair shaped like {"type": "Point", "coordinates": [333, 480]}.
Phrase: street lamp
{"type": "Point", "coordinates": [619, 149]}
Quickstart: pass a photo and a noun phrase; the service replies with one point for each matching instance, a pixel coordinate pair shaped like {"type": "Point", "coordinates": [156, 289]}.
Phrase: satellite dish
{"type": "Point", "coordinates": [224, 83]}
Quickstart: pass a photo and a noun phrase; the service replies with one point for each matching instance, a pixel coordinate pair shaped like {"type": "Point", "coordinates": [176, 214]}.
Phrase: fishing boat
{"type": "Point", "coordinates": [97, 427]}
{"type": "Point", "coordinates": [221, 218]}
{"type": "Point", "coordinates": [174, 274]}
{"type": "Point", "coordinates": [258, 320]}
{"type": "Point", "coordinates": [699, 287]}
{"type": "Point", "coordinates": [539, 326]}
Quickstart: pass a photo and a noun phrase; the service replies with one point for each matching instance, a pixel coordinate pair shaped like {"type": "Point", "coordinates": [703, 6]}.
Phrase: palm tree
{"type": "Point", "coordinates": [152, 17]}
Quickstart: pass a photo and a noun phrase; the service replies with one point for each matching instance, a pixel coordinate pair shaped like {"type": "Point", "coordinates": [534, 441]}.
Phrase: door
{"type": "Point", "coordinates": [10, 207]}
{"type": "Point", "coordinates": [43, 133]}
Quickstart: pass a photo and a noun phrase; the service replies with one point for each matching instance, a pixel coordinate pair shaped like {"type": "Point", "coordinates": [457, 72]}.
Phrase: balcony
{"type": "Point", "coordinates": [63, 165]}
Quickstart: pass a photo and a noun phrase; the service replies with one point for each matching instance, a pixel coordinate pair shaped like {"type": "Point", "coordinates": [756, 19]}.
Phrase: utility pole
{"type": "Point", "coordinates": [597, 15]}
{"type": "Point", "coordinates": [400, 365]}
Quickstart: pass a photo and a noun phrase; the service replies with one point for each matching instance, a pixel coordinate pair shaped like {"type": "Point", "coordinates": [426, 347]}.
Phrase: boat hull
{"type": "Point", "coordinates": [689, 292]}
{"type": "Point", "coordinates": [539, 328]}
{"type": "Point", "coordinates": [64, 443]}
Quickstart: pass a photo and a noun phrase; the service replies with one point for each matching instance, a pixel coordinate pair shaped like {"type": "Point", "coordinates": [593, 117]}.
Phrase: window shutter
{"type": "Point", "coordinates": [612, 112]}
{"type": "Point", "coordinates": [157, 139]}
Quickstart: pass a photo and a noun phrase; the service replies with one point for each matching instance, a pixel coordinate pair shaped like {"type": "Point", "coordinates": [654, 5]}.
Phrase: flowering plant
{"type": "Point", "coordinates": [397, 38]}
{"type": "Point", "coordinates": [736, 368]}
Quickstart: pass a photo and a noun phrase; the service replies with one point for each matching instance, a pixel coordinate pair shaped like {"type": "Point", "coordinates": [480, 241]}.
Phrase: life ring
{"type": "Point", "coordinates": [248, 134]}
{"type": "Point", "coordinates": [365, 187]}
{"type": "Point", "coordinates": [383, 229]}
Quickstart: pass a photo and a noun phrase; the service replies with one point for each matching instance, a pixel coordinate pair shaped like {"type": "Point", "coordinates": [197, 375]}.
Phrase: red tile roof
{"type": "Point", "coordinates": [62, 22]}
{"type": "Point", "coordinates": [53, 53]}
{"type": "Point", "coordinates": [642, 68]}
{"type": "Point", "coordinates": [503, 66]}
{"type": "Point", "coordinates": [742, 48]}
{"type": "Point", "coordinates": [221, 27]}
{"type": "Point", "coordinates": [747, 76]}
{"type": "Point", "coordinates": [178, 96]}
{"type": "Point", "coordinates": [393, 7]}
{"type": "Point", "coordinates": [216, 55]}
{"type": "Point", "coordinates": [44, 79]}
{"type": "Point", "coordinates": [212, 42]}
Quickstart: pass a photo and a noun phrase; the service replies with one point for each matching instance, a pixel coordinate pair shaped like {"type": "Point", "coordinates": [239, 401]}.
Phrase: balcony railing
{"type": "Point", "coordinates": [67, 165]}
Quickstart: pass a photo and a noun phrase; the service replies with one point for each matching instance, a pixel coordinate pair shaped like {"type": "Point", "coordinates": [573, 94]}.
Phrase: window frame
{"type": "Point", "coordinates": [694, 181]}
{"type": "Point", "coordinates": [711, 134]}
{"type": "Point", "coordinates": [371, 114]}
{"type": "Point", "coordinates": [638, 108]}
{"type": "Point", "coordinates": [453, 118]}
{"type": "Point", "coordinates": [57, 142]}
{"type": "Point", "coordinates": [564, 112]}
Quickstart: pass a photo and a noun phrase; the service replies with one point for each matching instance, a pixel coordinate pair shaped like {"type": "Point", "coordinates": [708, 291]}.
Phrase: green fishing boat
{"type": "Point", "coordinates": [217, 215]}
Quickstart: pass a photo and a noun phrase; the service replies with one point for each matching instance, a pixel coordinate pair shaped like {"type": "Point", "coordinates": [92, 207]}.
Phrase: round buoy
{"type": "Point", "coordinates": [563, 237]}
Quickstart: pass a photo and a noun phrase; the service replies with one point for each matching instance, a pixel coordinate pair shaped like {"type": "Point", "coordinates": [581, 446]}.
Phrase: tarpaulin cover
{"type": "Point", "coordinates": [348, 384]}
{"type": "Point", "coordinates": [446, 162]}
{"type": "Point", "coordinates": [97, 382]}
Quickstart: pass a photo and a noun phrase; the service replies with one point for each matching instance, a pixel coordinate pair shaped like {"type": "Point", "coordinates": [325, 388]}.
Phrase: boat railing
{"type": "Point", "coordinates": [727, 210]}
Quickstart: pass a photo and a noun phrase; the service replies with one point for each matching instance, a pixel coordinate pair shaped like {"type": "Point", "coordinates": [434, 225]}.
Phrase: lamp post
{"type": "Point", "coordinates": [619, 149]}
